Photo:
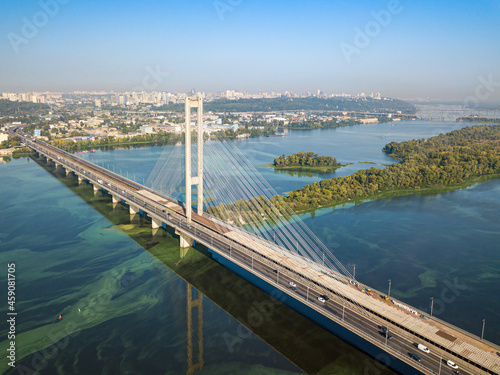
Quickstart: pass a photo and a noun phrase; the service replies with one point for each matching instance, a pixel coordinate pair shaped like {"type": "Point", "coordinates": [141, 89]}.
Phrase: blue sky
{"type": "Point", "coordinates": [426, 49]}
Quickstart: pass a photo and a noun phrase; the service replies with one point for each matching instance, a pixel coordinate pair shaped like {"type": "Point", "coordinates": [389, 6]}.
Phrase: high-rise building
{"type": "Point", "coordinates": [122, 100]}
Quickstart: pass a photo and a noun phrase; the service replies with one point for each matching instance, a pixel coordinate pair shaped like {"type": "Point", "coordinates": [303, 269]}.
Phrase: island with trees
{"type": "Point", "coordinates": [306, 161]}
{"type": "Point", "coordinates": [441, 163]}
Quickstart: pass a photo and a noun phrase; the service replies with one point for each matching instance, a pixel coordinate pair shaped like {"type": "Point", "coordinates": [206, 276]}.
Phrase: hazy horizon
{"type": "Point", "coordinates": [403, 49]}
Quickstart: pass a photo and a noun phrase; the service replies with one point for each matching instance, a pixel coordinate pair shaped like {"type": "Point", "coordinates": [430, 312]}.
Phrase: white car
{"type": "Point", "coordinates": [452, 364]}
{"type": "Point", "coordinates": [321, 299]}
{"type": "Point", "coordinates": [291, 283]}
{"type": "Point", "coordinates": [423, 348]}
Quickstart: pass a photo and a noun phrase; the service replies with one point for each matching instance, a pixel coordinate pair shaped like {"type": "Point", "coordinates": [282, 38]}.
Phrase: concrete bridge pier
{"type": "Point", "coordinates": [156, 223]}
{"type": "Point", "coordinates": [80, 180]}
{"type": "Point", "coordinates": [115, 199]}
{"type": "Point", "coordinates": [96, 189]}
{"type": "Point", "coordinates": [133, 210]}
{"type": "Point", "coordinates": [67, 172]}
{"type": "Point", "coordinates": [185, 240]}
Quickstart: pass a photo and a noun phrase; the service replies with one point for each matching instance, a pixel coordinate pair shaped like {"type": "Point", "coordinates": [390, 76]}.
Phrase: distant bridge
{"type": "Point", "coordinates": [431, 117]}
{"type": "Point", "coordinates": [338, 303]}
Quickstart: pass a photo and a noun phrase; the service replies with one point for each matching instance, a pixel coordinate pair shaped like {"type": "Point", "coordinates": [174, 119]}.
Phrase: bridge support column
{"type": "Point", "coordinates": [80, 180]}
{"type": "Point", "coordinates": [133, 210]}
{"type": "Point", "coordinates": [115, 199]}
{"type": "Point", "coordinates": [67, 172]}
{"type": "Point", "coordinates": [96, 189]}
{"type": "Point", "coordinates": [185, 240]}
{"type": "Point", "coordinates": [156, 223]}
{"type": "Point", "coordinates": [196, 180]}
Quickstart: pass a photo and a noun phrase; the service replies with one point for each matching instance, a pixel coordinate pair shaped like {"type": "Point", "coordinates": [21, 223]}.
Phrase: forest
{"type": "Point", "coordinates": [439, 162]}
{"type": "Point", "coordinates": [8, 107]}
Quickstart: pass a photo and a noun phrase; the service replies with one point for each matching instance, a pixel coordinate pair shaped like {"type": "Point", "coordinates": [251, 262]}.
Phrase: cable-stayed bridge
{"type": "Point", "coordinates": [263, 241]}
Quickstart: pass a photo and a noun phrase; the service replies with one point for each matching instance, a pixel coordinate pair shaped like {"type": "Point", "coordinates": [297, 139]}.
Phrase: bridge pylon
{"type": "Point", "coordinates": [190, 179]}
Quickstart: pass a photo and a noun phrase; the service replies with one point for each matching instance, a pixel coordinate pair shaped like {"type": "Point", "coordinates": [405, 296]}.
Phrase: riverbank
{"type": "Point", "coordinates": [7, 151]}
{"type": "Point", "coordinates": [7, 154]}
{"type": "Point", "coordinates": [21, 152]}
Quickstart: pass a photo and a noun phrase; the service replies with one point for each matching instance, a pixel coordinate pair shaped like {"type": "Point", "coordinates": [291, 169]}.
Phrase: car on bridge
{"type": "Point", "coordinates": [423, 348]}
{"type": "Point", "coordinates": [291, 283]}
{"type": "Point", "coordinates": [452, 364]}
{"type": "Point", "coordinates": [321, 299]}
{"type": "Point", "coordinates": [385, 333]}
{"type": "Point", "coordinates": [415, 357]}
{"type": "Point", "coordinates": [294, 288]}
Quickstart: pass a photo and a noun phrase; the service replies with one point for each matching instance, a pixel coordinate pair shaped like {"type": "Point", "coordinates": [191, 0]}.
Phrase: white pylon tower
{"type": "Point", "coordinates": [194, 180]}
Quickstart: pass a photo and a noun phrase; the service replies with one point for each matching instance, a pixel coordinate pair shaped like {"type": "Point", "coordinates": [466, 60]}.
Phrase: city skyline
{"type": "Point", "coordinates": [403, 49]}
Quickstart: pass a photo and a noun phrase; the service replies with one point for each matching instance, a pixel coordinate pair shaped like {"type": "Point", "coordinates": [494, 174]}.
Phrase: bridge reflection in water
{"type": "Point", "coordinates": [192, 305]}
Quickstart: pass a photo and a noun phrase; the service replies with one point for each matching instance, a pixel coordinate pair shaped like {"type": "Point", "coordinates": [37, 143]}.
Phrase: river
{"type": "Point", "coordinates": [122, 290]}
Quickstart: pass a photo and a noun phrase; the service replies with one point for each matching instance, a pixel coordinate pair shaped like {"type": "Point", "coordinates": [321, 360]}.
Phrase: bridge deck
{"type": "Point", "coordinates": [179, 209]}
